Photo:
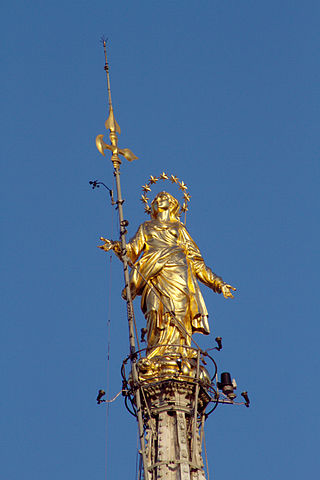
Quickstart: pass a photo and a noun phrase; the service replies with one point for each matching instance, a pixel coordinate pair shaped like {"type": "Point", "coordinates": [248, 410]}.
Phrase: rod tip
{"type": "Point", "coordinates": [103, 40]}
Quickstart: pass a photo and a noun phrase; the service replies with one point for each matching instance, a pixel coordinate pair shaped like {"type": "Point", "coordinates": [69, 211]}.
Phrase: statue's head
{"type": "Point", "coordinates": [165, 201]}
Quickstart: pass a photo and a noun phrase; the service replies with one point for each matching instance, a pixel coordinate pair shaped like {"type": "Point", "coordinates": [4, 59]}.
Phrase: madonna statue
{"type": "Point", "coordinates": [166, 267]}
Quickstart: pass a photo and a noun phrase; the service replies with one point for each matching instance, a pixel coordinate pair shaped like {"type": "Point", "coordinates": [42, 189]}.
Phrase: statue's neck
{"type": "Point", "coordinates": [163, 216]}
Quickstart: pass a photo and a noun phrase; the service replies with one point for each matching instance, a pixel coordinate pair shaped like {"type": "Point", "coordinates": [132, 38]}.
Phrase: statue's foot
{"type": "Point", "coordinates": [166, 367]}
{"type": "Point", "coordinates": [144, 365]}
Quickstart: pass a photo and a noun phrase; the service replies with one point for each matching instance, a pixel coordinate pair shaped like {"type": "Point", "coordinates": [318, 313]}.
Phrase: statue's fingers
{"type": "Point", "coordinates": [104, 247]}
{"type": "Point", "coordinates": [226, 291]}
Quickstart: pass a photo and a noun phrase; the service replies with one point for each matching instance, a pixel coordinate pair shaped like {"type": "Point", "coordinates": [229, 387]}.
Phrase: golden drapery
{"type": "Point", "coordinates": [166, 266]}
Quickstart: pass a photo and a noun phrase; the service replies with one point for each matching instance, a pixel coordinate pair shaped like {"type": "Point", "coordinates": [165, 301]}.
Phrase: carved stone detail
{"type": "Point", "coordinates": [168, 411]}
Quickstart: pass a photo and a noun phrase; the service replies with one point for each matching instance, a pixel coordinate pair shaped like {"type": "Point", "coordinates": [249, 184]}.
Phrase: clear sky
{"type": "Point", "coordinates": [225, 95]}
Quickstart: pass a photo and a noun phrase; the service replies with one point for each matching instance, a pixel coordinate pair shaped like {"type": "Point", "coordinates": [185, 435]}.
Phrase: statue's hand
{"type": "Point", "coordinates": [111, 245]}
{"type": "Point", "coordinates": [108, 244]}
{"type": "Point", "coordinates": [226, 290]}
{"type": "Point", "coordinates": [124, 294]}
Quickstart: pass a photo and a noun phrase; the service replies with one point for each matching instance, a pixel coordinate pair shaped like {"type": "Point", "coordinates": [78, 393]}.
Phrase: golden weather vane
{"type": "Point", "coordinates": [112, 125]}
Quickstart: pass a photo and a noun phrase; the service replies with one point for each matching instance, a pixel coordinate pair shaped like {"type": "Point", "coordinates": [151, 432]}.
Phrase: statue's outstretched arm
{"type": "Point", "coordinates": [111, 245]}
{"type": "Point", "coordinates": [210, 279]}
{"type": "Point", "coordinates": [136, 244]}
{"type": "Point", "coordinates": [134, 247]}
{"type": "Point", "coordinates": [204, 273]}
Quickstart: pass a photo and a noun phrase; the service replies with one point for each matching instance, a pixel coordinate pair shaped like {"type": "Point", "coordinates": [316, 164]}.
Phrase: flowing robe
{"type": "Point", "coordinates": [166, 266]}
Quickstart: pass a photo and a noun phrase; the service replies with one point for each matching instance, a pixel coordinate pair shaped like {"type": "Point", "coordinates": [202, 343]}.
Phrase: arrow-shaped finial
{"type": "Point", "coordinates": [111, 124]}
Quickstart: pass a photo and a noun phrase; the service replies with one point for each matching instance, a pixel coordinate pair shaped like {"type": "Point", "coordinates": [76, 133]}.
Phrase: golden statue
{"type": "Point", "coordinates": [166, 264]}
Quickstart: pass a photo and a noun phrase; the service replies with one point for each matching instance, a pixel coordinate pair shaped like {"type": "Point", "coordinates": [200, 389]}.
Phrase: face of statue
{"type": "Point", "coordinates": [164, 202]}
{"type": "Point", "coordinates": [161, 202]}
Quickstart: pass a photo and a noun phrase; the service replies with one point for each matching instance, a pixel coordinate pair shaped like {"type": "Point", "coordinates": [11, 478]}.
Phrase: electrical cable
{"type": "Point", "coordinates": [206, 456]}
{"type": "Point", "coordinates": [137, 457]}
{"type": "Point", "coordinates": [108, 347]}
{"type": "Point", "coordinates": [115, 397]}
{"type": "Point", "coordinates": [136, 331]}
{"type": "Point", "coordinates": [148, 410]}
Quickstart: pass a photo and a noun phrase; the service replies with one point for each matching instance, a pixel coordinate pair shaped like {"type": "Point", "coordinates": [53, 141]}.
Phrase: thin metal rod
{"type": "Point", "coordinates": [107, 72]}
{"type": "Point", "coordinates": [203, 418]}
{"type": "Point", "coordinates": [124, 258]}
{"type": "Point", "coordinates": [125, 261]}
{"type": "Point", "coordinates": [195, 418]}
{"type": "Point", "coordinates": [206, 456]}
{"type": "Point", "coordinates": [114, 128]}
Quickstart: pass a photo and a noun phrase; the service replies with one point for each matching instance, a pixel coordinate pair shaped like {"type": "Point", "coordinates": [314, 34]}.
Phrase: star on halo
{"type": "Point", "coordinates": [147, 209]}
{"type": "Point", "coordinates": [173, 179]}
{"type": "Point", "coordinates": [153, 180]}
{"type": "Point", "coordinates": [163, 176]}
{"type": "Point", "coordinates": [184, 207]}
{"type": "Point", "coordinates": [146, 188]}
{"type": "Point", "coordinates": [182, 186]}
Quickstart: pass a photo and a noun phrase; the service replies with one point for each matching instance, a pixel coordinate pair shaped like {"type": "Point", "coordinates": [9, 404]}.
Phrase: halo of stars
{"type": "Point", "coordinates": [174, 180]}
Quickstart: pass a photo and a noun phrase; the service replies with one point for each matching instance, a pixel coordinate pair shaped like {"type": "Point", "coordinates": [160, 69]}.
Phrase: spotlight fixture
{"type": "Point", "coordinates": [246, 398]}
{"type": "Point", "coordinates": [227, 385]}
{"type": "Point", "coordinates": [219, 342]}
{"type": "Point", "coordinates": [101, 393]}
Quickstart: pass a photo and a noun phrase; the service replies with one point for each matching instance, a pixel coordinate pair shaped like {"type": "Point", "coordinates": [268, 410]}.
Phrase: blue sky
{"type": "Point", "coordinates": [225, 95]}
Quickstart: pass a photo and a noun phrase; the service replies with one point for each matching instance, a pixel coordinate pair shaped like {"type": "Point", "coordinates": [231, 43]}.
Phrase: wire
{"type": "Point", "coordinates": [115, 397]}
{"type": "Point", "coordinates": [148, 410]}
{"type": "Point", "coordinates": [108, 346]}
{"type": "Point", "coordinates": [135, 329]}
{"type": "Point", "coordinates": [137, 457]}
{"type": "Point", "coordinates": [108, 363]}
{"type": "Point", "coordinates": [140, 467]}
{"type": "Point", "coordinates": [206, 456]}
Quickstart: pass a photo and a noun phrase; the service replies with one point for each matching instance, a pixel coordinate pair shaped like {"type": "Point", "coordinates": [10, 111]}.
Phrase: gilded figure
{"type": "Point", "coordinates": [166, 266]}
